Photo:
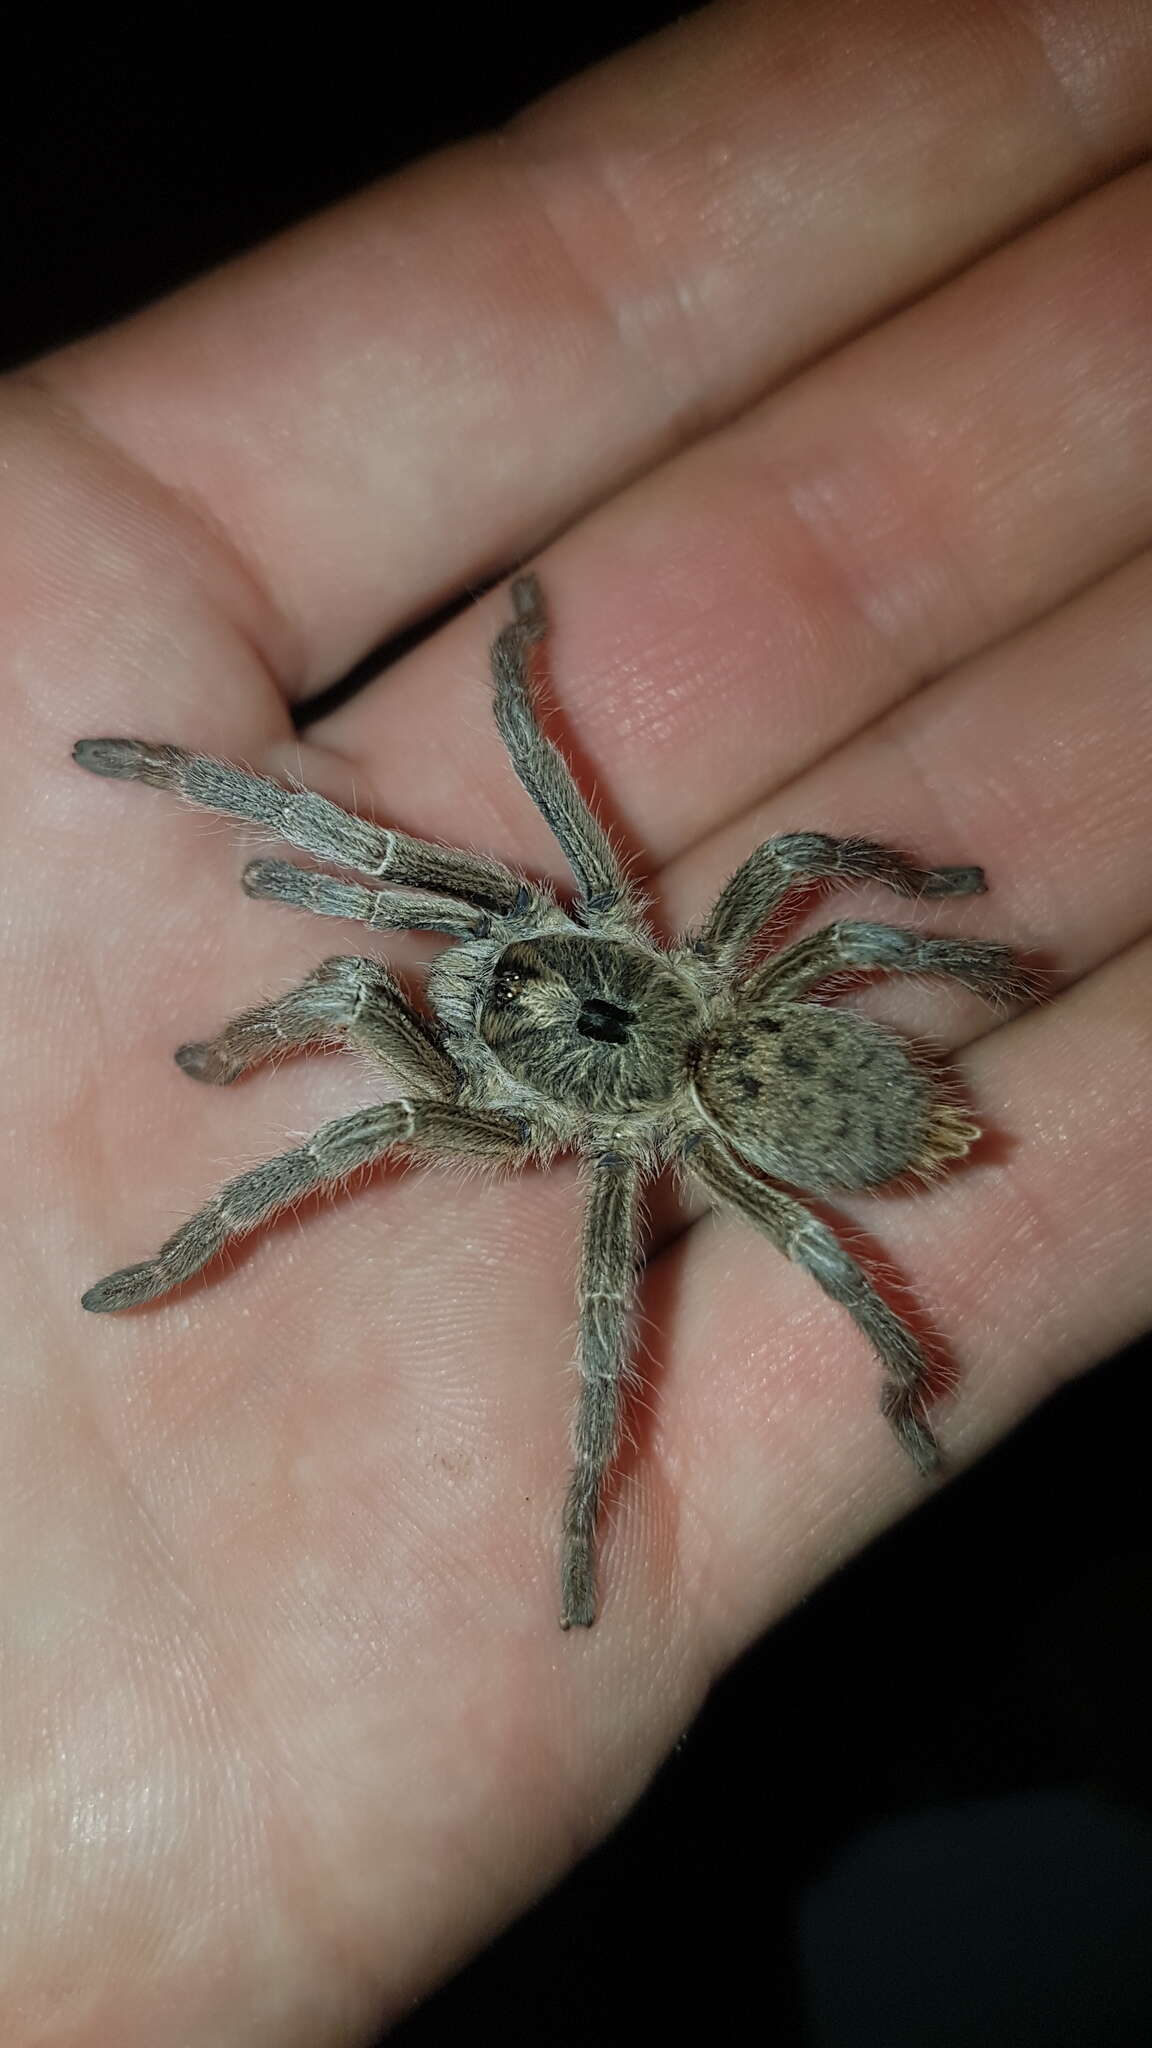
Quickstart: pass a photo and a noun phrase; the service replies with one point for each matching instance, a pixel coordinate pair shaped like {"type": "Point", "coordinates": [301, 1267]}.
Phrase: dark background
{"type": "Point", "coordinates": [919, 1814]}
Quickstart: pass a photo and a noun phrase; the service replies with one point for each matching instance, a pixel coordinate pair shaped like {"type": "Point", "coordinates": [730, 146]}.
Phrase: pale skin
{"type": "Point", "coordinates": [288, 1724]}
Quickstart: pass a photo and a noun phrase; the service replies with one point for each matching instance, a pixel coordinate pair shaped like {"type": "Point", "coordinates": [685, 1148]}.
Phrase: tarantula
{"type": "Point", "coordinates": [559, 1027]}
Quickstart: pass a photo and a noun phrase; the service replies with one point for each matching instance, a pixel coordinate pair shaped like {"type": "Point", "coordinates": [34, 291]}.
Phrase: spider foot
{"type": "Point", "coordinates": [904, 1414]}
{"type": "Point", "coordinates": [578, 1569]}
{"type": "Point", "coordinates": [578, 1605]}
{"type": "Point", "coordinates": [954, 882]}
{"type": "Point", "coordinates": [131, 1285]}
{"type": "Point", "coordinates": [205, 1062]}
{"type": "Point", "coordinates": [129, 761]}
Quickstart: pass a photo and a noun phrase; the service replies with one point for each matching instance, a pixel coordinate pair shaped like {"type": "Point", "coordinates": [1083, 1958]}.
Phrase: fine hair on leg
{"type": "Point", "coordinates": [989, 970]}
{"type": "Point", "coordinates": [542, 768]}
{"type": "Point", "coordinates": [762, 882]}
{"type": "Point", "coordinates": [344, 1001]}
{"type": "Point", "coordinates": [306, 821]}
{"type": "Point", "coordinates": [382, 910]}
{"type": "Point", "coordinates": [335, 1151]}
{"type": "Point", "coordinates": [607, 1292]}
{"type": "Point", "coordinates": [791, 1226]}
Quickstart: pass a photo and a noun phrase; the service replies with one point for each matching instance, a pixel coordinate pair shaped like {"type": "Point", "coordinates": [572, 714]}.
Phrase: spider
{"type": "Point", "coordinates": [571, 1028]}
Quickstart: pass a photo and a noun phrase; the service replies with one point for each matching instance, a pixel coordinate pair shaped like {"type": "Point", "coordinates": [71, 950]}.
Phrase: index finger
{"type": "Point", "coordinates": [403, 395]}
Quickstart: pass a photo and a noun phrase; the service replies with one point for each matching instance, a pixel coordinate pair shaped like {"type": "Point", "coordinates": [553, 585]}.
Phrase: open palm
{"type": "Point", "coordinates": [290, 1724]}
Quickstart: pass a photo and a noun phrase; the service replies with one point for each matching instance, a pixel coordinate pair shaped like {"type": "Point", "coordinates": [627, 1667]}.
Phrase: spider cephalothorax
{"type": "Point", "coordinates": [554, 1027]}
{"type": "Point", "coordinates": [597, 1025]}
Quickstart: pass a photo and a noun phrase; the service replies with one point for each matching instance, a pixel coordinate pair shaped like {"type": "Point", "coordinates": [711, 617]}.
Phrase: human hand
{"type": "Point", "coordinates": [290, 1723]}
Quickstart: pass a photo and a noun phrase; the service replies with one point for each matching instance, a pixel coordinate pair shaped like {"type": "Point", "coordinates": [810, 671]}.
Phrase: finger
{"type": "Point", "coordinates": [1030, 1266]}
{"type": "Point", "coordinates": [702, 661]}
{"type": "Point", "coordinates": [399, 397]}
{"type": "Point", "coordinates": [687, 710]}
{"type": "Point", "coordinates": [1023, 759]}
{"type": "Point", "coordinates": [833, 569]}
{"type": "Point", "coordinates": [1014, 757]}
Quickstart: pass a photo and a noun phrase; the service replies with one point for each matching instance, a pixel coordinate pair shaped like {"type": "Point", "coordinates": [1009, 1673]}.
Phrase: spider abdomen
{"type": "Point", "coordinates": [820, 1098]}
